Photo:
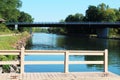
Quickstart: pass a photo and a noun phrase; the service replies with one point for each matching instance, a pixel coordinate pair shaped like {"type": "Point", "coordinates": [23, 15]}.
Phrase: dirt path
{"type": "Point", "coordinates": [9, 35]}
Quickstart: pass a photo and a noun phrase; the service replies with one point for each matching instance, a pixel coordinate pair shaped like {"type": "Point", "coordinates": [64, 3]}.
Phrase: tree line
{"type": "Point", "coordinates": [9, 11]}
{"type": "Point", "coordinates": [100, 13]}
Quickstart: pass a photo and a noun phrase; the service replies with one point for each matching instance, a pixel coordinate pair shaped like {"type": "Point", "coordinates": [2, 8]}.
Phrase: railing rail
{"type": "Point", "coordinates": [66, 54]}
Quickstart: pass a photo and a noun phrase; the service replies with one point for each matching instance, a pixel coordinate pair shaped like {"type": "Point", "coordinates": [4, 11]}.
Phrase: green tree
{"type": "Point", "coordinates": [9, 9]}
{"type": "Point", "coordinates": [106, 14]}
{"type": "Point", "coordinates": [24, 17]}
{"type": "Point", "coordinates": [117, 13]}
{"type": "Point", "coordinates": [92, 14]}
{"type": "Point", "coordinates": [74, 18]}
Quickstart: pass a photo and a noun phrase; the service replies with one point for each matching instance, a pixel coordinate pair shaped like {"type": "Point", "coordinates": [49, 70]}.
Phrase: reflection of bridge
{"type": "Point", "coordinates": [102, 26]}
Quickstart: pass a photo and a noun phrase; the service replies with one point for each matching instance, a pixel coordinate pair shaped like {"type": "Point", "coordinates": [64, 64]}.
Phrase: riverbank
{"type": "Point", "coordinates": [12, 42]}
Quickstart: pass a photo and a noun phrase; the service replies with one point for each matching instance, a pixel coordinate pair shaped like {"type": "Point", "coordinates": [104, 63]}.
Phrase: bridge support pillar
{"type": "Point", "coordinates": [103, 33]}
{"type": "Point", "coordinates": [30, 30]}
{"type": "Point", "coordinates": [16, 26]}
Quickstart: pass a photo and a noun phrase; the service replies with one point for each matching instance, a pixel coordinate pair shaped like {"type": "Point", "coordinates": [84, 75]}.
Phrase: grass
{"type": "Point", "coordinates": [8, 43]}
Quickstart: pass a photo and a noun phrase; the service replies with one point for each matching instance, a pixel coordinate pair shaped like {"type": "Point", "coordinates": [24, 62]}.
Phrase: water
{"type": "Point", "coordinates": [44, 41]}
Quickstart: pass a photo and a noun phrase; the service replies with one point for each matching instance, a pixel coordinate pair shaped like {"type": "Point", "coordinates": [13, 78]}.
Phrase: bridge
{"type": "Point", "coordinates": [64, 24]}
{"type": "Point", "coordinates": [106, 75]}
{"type": "Point", "coordinates": [102, 26]}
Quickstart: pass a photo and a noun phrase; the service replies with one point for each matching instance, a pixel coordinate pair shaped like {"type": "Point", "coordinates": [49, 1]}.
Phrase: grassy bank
{"type": "Point", "coordinates": [9, 42]}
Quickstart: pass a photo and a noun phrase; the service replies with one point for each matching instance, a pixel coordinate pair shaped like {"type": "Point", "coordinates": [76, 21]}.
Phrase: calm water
{"type": "Point", "coordinates": [44, 41]}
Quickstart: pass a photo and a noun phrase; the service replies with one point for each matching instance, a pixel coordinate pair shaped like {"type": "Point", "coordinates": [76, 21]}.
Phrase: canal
{"type": "Point", "coordinates": [45, 41]}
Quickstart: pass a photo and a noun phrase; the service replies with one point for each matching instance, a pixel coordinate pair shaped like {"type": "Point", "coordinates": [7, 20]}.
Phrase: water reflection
{"type": "Point", "coordinates": [43, 41]}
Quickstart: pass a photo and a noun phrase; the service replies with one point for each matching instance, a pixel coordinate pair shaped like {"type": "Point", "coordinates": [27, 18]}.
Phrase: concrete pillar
{"type": "Point", "coordinates": [30, 30]}
{"type": "Point", "coordinates": [103, 33]}
{"type": "Point", "coordinates": [16, 26]}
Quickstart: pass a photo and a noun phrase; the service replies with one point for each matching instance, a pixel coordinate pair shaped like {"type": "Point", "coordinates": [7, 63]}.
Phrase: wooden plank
{"type": "Point", "coordinates": [43, 62]}
{"type": "Point", "coordinates": [9, 53]}
{"type": "Point", "coordinates": [62, 62]}
{"type": "Point", "coordinates": [9, 62]}
{"type": "Point", "coordinates": [44, 53]}
{"type": "Point", "coordinates": [85, 51]}
{"type": "Point", "coordinates": [61, 51]}
{"type": "Point", "coordinates": [62, 76]}
{"type": "Point", "coordinates": [92, 54]}
{"type": "Point", "coordinates": [86, 62]}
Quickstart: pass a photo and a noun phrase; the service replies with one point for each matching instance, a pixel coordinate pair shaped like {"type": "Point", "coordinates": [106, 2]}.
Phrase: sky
{"type": "Point", "coordinates": [55, 10]}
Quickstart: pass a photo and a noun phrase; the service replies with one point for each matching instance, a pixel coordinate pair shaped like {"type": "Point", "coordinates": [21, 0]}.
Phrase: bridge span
{"type": "Point", "coordinates": [103, 27]}
{"type": "Point", "coordinates": [66, 24]}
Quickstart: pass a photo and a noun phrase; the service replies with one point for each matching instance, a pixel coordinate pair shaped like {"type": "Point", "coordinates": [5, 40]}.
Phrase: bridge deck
{"type": "Point", "coordinates": [61, 76]}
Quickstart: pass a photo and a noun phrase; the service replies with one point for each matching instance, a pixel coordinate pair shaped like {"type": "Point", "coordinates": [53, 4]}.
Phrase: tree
{"type": "Point", "coordinates": [117, 13]}
{"type": "Point", "coordinates": [24, 17]}
{"type": "Point", "coordinates": [74, 18]}
{"type": "Point", "coordinates": [9, 9]}
{"type": "Point", "coordinates": [92, 14]}
{"type": "Point", "coordinates": [106, 14]}
{"type": "Point", "coordinates": [103, 7]}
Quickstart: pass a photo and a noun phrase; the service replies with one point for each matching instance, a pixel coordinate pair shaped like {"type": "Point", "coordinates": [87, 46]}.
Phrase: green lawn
{"type": "Point", "coordinates": [7, 42]}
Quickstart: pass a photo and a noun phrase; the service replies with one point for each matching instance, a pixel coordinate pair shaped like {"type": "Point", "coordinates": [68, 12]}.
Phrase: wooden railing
{"type": "Point", "coordinates": [66, 54]}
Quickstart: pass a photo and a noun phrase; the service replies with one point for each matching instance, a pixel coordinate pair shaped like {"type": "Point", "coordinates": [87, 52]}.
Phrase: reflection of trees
{"type": "Point", "coordinates": [78, 43]}
{"type": "Point", "coordinates": [94, 58]}
{"type": "Point", "coordinates": [114, 52]}
{"type": "Point", "coordinates": [114, 57]}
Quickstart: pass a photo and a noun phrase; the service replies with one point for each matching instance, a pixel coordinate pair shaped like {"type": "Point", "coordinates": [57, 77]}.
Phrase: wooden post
{"type": "Point", "coordinates": [66, 60]}
{"type": "Point", "coordinates": [22, 60]}
{"type": "Point", "coordinates": [106, 61]}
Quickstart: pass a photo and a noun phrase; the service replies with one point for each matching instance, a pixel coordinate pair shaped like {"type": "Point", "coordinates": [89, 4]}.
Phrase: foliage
{"type": "Point", "coordinates": [57, 30]}
{"type": "Point", "coordinates": [9, 9]}
{"type": "Point", "coordinates": [74, 18]}
{"type": "Point", "coordinates": [4, 29]}
{"type": "Point", "coordinates": [92, 14]}
{"type": "Point", "coordinates": [38, 29]}
{"type": "Point", "coordinates": [25, 17]}
{"type": "Point", "coordinates": [100, 13]}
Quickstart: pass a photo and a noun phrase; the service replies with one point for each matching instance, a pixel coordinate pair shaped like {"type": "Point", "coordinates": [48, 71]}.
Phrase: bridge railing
{"type": "Point", "coordinates": [22, 53]}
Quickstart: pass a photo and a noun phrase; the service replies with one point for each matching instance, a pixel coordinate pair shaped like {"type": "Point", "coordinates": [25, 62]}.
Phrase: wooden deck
{"type": "Point", "coordinates": [57, 76]}
{"type": "Point", "coordinates": [61, 76]}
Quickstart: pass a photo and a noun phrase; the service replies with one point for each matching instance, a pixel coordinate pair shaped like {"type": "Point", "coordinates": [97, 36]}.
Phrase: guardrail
{"type": "Point", "coordinates": [66, 54]}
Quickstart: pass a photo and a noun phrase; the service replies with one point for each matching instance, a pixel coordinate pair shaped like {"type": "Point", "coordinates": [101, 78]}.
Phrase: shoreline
{"type": "Point", "coordinates": [22, 42]}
